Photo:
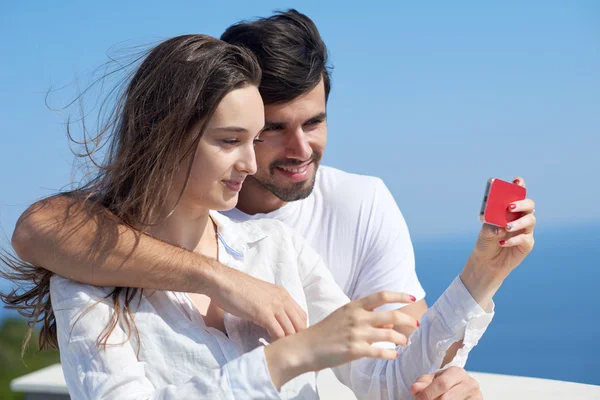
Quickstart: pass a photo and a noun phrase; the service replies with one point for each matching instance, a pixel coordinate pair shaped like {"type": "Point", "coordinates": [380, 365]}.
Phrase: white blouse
{"type": "Point", "coordinates": [178, 357]}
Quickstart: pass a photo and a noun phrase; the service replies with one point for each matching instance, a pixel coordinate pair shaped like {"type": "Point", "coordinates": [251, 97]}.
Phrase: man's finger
{"type": "Point", "coordinates": [442, 382]}
{"type": "Point", "coordinates": [421, 383]}
{"type": "Point", "coordinates": [460, 391]}
{"type": "Point", "coordinates": [274, 329]}
{"type": "Point", "coordinates": [299, 318]}
{"type": "Point", "coordinates": [285, 323]}
{"type": "Point", "coordinates": [297, 321]}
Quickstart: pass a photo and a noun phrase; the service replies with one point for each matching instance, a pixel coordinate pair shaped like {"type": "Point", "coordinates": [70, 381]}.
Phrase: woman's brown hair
{"type": "Point", "coordinates": [179, 83]}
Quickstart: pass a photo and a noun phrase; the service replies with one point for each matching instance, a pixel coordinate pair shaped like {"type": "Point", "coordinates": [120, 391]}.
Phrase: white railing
{"type": "Point", "coordinates": [49, 383]}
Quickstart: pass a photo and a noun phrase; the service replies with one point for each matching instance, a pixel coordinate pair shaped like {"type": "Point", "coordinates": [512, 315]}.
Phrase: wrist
{"type": "Point", "coordinates": [481, 282]}
{"type": "Point", "coordinates": [286, 359]}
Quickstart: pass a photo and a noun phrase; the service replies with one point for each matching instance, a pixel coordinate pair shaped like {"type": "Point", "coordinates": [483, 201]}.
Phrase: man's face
{"type": "Point", "coordinates": [294, 137]}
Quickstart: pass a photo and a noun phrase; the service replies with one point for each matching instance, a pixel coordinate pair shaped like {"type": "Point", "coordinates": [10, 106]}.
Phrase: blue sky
{"type": "Point", "coordinates": [433, 99]}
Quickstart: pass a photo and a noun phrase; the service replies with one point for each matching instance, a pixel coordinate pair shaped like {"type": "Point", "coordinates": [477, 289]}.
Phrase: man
{"type": "Point", "coordinates": [351, 220]}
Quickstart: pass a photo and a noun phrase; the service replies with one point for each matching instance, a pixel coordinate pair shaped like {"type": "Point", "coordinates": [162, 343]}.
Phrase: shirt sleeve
{"type": "Point", "coordinates": [455, 316]}
{"type": "Point", "coordinates": [387, 261]}
{"type": "Point", "coordinates": [114, 372]}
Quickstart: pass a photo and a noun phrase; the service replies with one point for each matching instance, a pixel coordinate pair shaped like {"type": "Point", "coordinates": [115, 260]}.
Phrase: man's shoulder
{"type": "Point", "coordinates": [337, 186]}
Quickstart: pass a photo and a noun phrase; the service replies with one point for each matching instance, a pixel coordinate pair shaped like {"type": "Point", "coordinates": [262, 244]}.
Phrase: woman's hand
{"type": "Point", "coordinates": [345, 335]}
{"type": "Point", "coordinates": [499, 250]}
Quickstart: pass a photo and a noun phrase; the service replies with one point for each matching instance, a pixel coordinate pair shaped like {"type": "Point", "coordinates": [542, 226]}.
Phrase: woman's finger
{"type": "Point", "coordinates": [525, 206]}
{"type": "Point", "coordinates": [393, 317]}
{"type": "Point", "coordinates": [375, 300]}
{"type": "Point", "coordinates": [385, 335]}
{"type": "Point", "coordinates": [525, 224]}
{"type": "Point", "coordinates": [378, 352]}
{"type": "Point", "coordinates": [525, 239]}
{"type": "Point", "coordinates": [519, 181]}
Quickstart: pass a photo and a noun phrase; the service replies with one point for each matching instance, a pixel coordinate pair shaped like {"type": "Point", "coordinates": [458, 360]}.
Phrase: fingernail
{"type": "Point", "coordinates": [508, 227]}
{"type": "Point", "coordinates": [502, 242]}
{"type": "Point", "coordinates": [517, 181]}
{"type": "Point", "coordinates": [413, 298]}
{"type": "Point", "coordinates": [418, 324]}
{"type": "Point", "coordinates": [512, 206]}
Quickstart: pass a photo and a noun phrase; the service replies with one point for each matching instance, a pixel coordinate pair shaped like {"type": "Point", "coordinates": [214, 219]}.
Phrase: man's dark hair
{"type": "Point", "coordinates": [290, 51]}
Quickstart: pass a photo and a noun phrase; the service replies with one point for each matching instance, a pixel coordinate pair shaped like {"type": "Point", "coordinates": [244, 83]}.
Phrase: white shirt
{"type": "Point", "coordinates": [354, 224]}
{"type": "Point", "coordinates": [178, 357]}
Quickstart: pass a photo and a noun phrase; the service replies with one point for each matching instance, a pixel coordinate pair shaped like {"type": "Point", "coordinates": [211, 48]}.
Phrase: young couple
{"type": "Point", "coordinates": [212, 257]}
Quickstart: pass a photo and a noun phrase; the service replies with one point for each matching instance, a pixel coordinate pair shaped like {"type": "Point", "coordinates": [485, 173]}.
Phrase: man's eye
{"type": "Point", "coordinates": [272, 128]}
{"type": "Point", "coordinates": [257, 140]}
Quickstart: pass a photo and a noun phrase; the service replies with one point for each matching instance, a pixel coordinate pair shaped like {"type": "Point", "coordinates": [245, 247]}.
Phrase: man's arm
{"type": "Point", "coordinates": [390, 259]}
{"type": "Point", "coordinates": [85, 242]}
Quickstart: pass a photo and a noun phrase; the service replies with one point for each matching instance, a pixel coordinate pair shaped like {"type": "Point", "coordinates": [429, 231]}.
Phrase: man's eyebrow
{"type": "Point", "coordinates": [277, 124]}
{"type": "Point", "coordinates": [317, 118]}
{"type": "Point", "coordinates": [235, 129]}
{"type": "Point", "coordinates": [274, 124]}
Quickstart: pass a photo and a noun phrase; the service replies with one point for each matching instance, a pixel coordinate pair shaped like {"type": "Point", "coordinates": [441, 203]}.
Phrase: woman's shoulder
{"type": "Point", "coordinates": [64, 291]}
{"type": "Point", "coordinates": [255, 229]}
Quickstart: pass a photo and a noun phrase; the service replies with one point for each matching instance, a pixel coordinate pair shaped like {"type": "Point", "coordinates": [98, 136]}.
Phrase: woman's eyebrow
{"type": "Point", "coordinates": [235, 129]}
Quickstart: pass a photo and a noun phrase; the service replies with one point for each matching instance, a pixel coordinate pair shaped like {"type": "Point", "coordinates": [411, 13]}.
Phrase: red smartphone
{"type": "Point", "coordinates": [498, 196]}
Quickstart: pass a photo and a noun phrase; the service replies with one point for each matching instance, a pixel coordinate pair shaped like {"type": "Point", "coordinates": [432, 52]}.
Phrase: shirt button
{"type": "Point", "coordinates": [441, 353]}
{"type": "Point", "coordinates": [458, 311]}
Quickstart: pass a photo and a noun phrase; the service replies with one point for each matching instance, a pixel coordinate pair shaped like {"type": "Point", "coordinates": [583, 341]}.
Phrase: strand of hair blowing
{"type": "Point", "coordinates": [179, 83]}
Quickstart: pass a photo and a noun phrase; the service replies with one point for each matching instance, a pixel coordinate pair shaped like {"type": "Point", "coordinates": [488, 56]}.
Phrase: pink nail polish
{"type": "Point", "coordinates": [512, 206]}
{"type": "Point", "coordinates": [413, 298]}
{"type": "Point", "coordinates": [502, 242]}
{"type": "Point", "coordinates": [418, 324]}
{"type": "Point", "coordinates": [517, 181]}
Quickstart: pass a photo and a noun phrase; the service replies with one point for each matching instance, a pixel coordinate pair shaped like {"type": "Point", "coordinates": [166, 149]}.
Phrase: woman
{"type": "Point", "coordinates": [182, 147]}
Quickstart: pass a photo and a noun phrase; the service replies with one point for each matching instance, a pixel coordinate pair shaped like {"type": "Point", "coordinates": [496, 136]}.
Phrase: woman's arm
{"type": "Point", "coordinates": [349, 332]}
{"type": "Point", "coordinates": [457, 317]}
{"type": "Point", "coordinates": [115, 372]}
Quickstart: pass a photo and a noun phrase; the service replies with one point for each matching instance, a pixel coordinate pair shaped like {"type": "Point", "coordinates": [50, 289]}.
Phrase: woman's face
{"type": "Point", "coordinates": [225, 154]}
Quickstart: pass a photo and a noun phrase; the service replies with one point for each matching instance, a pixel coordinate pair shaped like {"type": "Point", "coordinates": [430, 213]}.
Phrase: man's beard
{"type": "Point", "coordinates": [294, 191]}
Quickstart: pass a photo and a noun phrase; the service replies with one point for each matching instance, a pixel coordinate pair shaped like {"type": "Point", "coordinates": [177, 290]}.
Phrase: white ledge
{"type": "Point", "coordinates": [50, 380]}
{"type": "Point", "coordinates": [45, 380]}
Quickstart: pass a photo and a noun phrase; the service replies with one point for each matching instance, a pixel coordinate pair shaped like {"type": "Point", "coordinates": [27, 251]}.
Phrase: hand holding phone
{"type": "Point", "coordinates": [498, 196]}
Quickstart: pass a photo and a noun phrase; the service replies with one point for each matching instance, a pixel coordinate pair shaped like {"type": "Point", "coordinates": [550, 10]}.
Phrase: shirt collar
{"type": "Point", "coordinates": [236, 236]}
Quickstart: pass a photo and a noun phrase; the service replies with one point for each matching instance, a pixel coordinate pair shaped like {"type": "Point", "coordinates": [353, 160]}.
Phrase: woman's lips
{"type": "Point", "coordinates": [234, 186]}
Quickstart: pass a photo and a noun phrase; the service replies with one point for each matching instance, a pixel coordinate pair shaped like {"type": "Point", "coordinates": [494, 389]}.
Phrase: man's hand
{"type": "Point", "coordinates": [265, 304]}
{"type": "Point", "coordinates": [453, 383]}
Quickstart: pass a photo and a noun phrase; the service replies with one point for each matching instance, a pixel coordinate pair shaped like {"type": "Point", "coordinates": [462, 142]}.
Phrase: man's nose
{"type": "Point", "coordinates": [297, 145]}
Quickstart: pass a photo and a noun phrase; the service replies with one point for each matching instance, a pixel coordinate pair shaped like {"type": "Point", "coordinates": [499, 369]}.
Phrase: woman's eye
{"type": "Point", "coordinates": [230, 141]}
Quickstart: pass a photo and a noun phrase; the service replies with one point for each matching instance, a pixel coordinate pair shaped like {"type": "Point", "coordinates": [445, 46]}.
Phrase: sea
{"type": "Point", "coordinates": [547, 321]}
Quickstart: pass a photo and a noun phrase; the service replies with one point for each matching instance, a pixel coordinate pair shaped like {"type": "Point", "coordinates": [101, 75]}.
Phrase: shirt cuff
{"type": "Point", "coordinates": [462, 315]}
{"type": "Point", "coordinates": [249, 377]}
